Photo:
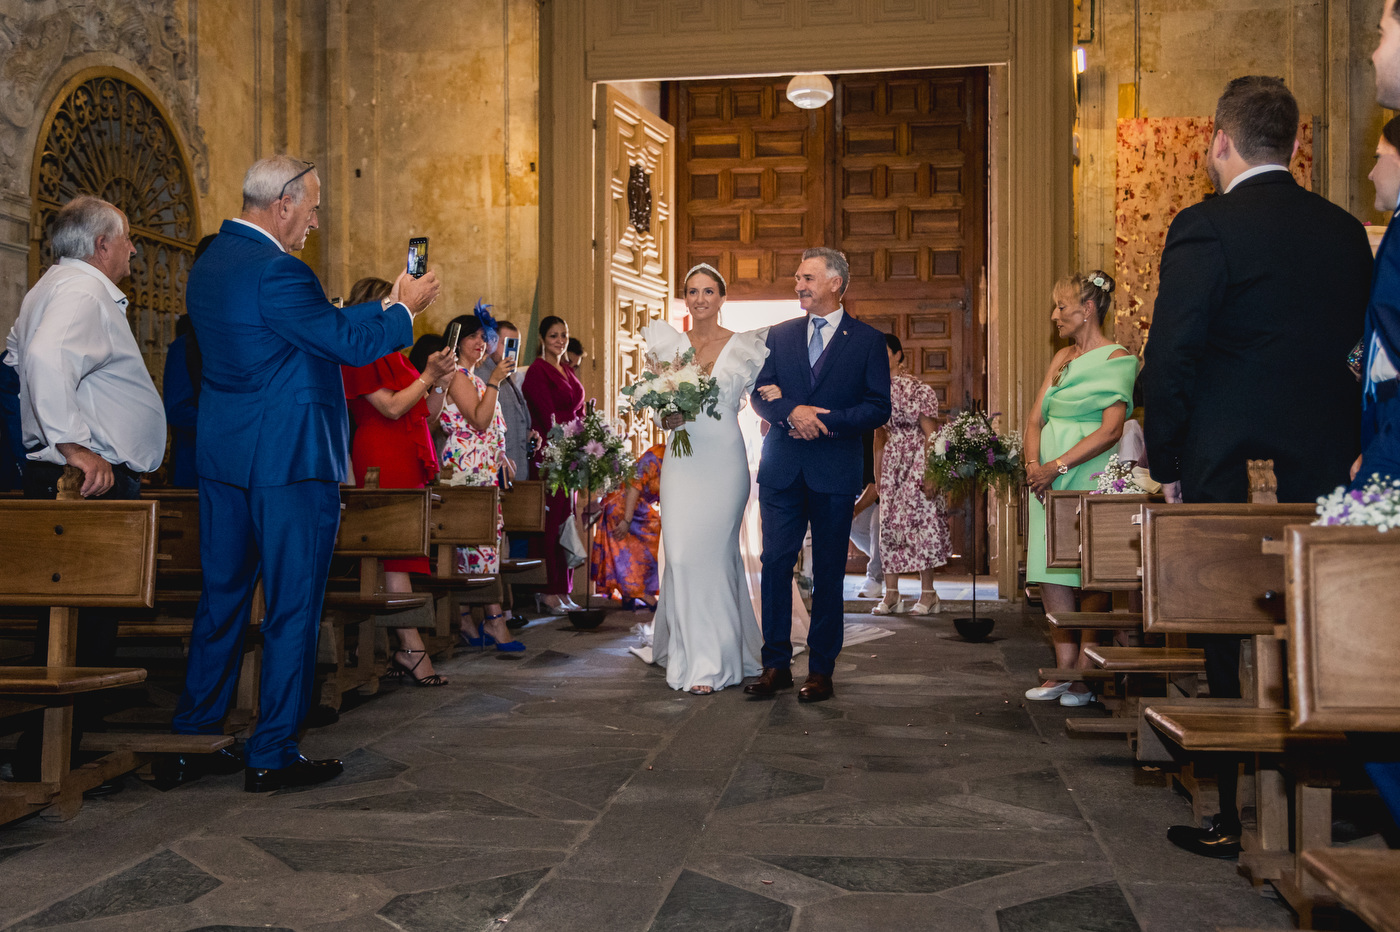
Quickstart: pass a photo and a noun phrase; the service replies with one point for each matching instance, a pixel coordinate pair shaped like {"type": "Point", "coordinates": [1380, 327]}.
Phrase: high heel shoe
{"type": "Point", "coordinates": [545, 607]}
{"type": "Point", "coordinates": [885, 607]}
{"type": "Point", "coordinates": [433, 679]}
{"type": "Point", "coordinates": [505, 647]}
{"type": "Point", "coordinates": [922, 607]}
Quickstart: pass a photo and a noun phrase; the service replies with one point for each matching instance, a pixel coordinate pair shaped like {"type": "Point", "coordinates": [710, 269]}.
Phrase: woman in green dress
{"type": "Point", "coordinates": [1074, 426]}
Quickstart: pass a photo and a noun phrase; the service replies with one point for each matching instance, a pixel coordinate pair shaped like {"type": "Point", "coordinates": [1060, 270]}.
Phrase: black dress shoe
{"type": "Point", "coordinates": [111, 788]}
{"type": "Point", "coordinates": [179, 769]}
{"type": "Point", "coordinates": [818, 688]}
{"type": "Point", "coordinates": [1221, 840]}
{"type": "Point", "coordinates": [301, 772]}
{"type": "Point", "coordinates": [516, 622]}
{"type": "Point", "coordinates": [769, 682]}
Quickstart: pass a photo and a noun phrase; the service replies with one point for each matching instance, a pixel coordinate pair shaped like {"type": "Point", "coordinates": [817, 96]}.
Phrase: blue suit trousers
{"type": "Point", "coordinates": [786, 513]}
{"type": "Point", "coordinates": [288, 532]}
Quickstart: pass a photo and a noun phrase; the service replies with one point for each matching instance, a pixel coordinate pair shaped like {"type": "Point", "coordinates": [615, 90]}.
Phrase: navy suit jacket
{"type": "Point", "coordinates": [272, 406]}
{"type": "Point", "coordinates": [1382, 319]}
{"type": "Point", "coordinates": [853, 382]}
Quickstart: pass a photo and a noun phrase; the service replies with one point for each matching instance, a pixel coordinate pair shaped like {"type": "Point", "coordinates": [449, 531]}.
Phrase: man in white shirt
{"type": "Point", "coordinates": [86, 399]}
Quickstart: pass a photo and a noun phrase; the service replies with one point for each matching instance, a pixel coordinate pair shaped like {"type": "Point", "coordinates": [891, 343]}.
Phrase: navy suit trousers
{"type": "Point", "coordinates": [786, 513]}
{"type": "Point", "coordinates": [287, 531]}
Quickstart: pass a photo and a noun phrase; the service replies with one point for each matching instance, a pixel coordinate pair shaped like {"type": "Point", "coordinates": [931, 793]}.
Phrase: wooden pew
{"type": "Point", "coordinates": [69, 555]}
{"type": "Point", "coordinates": [466, 517]}
{"type": "Point", "coordinates": [1343, 638]}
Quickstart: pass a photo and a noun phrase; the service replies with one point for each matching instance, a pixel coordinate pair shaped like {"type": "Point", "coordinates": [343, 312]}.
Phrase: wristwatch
{"type": "Point", "coordinates": [439, 389]}
{"type": "Point", "coordinates": [1061, 468]}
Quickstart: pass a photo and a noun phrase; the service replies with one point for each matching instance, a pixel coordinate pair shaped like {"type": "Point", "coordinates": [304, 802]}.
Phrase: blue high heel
{"type": "Point", "coordinates": [506, 647]}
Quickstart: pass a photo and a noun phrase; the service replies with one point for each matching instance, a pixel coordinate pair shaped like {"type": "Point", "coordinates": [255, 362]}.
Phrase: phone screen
{"type": "Point", "coordinates": [512, 347]}
{"type": "Point", "coordinates": [418, 256]}
{"type": "Point", "coordinates": [453, 335]}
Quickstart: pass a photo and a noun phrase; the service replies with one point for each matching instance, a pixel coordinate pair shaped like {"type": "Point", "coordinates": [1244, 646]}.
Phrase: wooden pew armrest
{"type": "Point", "coordinates": [65, 681]}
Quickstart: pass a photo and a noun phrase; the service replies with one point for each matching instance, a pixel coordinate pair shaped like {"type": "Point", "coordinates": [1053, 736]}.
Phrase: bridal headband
{"type": "Point", "coordinates": [708, 270]}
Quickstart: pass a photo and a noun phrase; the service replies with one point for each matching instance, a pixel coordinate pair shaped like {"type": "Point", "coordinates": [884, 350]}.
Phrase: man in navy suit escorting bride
{"type": "Point", "coordinates": [826, 381]}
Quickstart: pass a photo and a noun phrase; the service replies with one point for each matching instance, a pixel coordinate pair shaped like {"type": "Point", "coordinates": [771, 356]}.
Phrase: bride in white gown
{"type": "Point", "coordinates": [705, 634]}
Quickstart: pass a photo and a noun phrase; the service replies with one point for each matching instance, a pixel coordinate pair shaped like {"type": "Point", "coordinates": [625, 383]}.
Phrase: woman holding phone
{"type": "Point", "coordinates": [391, 403]}
{"type": "Point", "coordinates": [476, 450]}
{"type": "Point", "coordinates": [555, 396]}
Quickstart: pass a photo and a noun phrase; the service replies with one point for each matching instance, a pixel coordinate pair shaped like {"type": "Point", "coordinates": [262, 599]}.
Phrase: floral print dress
{"type": "Point", "coordinates": [476, 457]}
{"type": "Point", "coordinates": [913, 530]}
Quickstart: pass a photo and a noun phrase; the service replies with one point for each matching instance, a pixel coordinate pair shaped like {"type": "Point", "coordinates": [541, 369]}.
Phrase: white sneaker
{"type": "Point", "coordinates": [871, 589]}
{"type": "Point", "coordinates": [1074, 699]}
{"type": "Point", "coordinates": [1047, 692]}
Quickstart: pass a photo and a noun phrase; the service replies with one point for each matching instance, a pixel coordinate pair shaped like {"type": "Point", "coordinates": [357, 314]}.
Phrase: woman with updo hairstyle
{"type": "Point", "coordinates": [1072, 429]}
{"type": "Point", "coordinates": [392, 401]}
{"type": "Point", "coordinates": [554, 395]}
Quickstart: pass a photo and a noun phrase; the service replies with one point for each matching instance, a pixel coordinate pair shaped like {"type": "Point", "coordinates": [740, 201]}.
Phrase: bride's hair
{"type": "Point", "coordinates": [710, 270]}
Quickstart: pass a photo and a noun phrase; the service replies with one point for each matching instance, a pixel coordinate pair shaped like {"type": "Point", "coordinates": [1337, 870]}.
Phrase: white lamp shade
{"type": "Point", "coordinates": [810, 91]}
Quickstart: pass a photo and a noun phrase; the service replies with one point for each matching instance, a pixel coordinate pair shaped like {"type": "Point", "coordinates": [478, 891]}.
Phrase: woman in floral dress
{"type": "Point", "coordinates": [913, 515]}
{"type": "Point", "coordinates": [475, 448]}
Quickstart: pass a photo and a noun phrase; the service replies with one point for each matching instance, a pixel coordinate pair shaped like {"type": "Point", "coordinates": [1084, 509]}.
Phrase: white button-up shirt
{"type": "Point", "coordinates": [82, 378]}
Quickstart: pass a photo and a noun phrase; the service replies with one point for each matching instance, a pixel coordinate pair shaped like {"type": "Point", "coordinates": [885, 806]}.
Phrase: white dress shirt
{"type": "Point", "coordinates": [833, 321]}
{"type": "Point", "coordinates": [1251, 172]}
{"type": "Point", "coordinates": [82, 378]}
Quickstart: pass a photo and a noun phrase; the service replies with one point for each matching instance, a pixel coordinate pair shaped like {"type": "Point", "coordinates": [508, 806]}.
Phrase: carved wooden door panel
{"type": "Point", "coordinates": [636, 159]}
{"type": "Point", "coordinates": [908, 188]}
{"type": "Point", "coordinates": [751, 177]}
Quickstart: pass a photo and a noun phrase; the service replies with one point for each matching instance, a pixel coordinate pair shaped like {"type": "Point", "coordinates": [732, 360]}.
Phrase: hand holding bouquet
{"type": "Point", "coordinates": [968, 455]}
{"type": "Point", "coordinates": [676, 386]}
{"type": "Point", "coordinates": [585, 455]}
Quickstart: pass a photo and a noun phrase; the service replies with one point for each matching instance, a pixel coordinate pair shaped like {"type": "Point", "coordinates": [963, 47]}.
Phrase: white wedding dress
{"type": "Point", "coordinates": [705, 632]}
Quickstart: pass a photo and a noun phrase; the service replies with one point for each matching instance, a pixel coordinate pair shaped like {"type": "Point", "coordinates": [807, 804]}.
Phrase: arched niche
{"type": "Point", "coordinates": [106, 134]}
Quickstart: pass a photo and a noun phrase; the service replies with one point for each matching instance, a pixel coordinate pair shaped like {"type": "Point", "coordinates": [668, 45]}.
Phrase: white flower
{"type": "Point", "coordinates": [940, 445]}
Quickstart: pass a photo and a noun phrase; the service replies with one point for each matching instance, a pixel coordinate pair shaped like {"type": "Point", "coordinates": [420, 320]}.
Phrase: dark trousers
{"type": "Point", "coordinates": [786, 514]}
{"type": "Point", "coordinates": [97, 638]}
{"type": "Point", "coordinates": [287, 532]}
{"type": "Point", "coordinates": [1223, 677]}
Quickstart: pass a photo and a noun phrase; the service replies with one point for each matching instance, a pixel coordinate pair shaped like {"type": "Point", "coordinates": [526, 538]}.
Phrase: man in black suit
{"type": "Point", "coordinates": [1263, 290]}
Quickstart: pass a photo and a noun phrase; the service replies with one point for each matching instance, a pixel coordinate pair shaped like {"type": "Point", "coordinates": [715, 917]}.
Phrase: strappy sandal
{"type": "Point", "coordinates": [925, 608]}
{"type": "Point", "coordinates": [701, 690]}
{"type": "Point", "coordinates": [886, 607]}
{"type": "Point", "coordinates": [403, 671]}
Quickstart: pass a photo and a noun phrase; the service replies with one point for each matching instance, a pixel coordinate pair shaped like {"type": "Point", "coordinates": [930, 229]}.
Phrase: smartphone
{"type": "Point", "coordinates": [338, 302]}
{"type": "Point", "coordinates": [512, 348]}
{"type": "Point", "coordinates": [418, 256]}
{"type": "Point", "coordinates": [454, 334]}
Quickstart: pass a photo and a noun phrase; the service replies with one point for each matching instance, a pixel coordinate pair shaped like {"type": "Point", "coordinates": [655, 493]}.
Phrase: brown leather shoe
{"type": "Point", "coordinates": [771, 680]}
{"type": "Point", "coordinates": [817, 689]}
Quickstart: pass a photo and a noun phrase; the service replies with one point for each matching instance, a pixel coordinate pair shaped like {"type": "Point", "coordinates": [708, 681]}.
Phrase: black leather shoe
{"type": "Point", "coordinates": [179, 769]}
{"type": "Point", "coordinates": [769, 682]}
{"type": "Point", "coordinates": [111, 788]}
{"type": "Point", "coordinates": [818, 688]}
{"type": "Point", "coordinates": [301, 772]}
{"type": "Point", "coordinates": [1221, 840]}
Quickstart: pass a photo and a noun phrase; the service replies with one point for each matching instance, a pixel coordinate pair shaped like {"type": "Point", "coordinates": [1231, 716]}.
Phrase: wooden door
{"type": "Point", "coordinates": [908, 189]}
{"type": "Point", "coordinates": [636, 156]}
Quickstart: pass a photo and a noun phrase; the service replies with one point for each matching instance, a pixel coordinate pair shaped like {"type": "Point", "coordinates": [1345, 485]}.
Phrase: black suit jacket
{"type": "Point", "coordinates": [1263, 293]}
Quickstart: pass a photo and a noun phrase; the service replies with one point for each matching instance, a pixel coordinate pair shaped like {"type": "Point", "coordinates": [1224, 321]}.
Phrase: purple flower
{"type": "Point", "coordinates": [991, 458]}
{"type": "Point", "coordinates": [594, 448]}
{"type": "Point", "coordinates": [573, 428]}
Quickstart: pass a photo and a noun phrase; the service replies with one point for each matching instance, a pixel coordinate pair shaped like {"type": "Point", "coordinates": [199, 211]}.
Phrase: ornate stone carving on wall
{"type": "Point", "coordinates": [37, 38]}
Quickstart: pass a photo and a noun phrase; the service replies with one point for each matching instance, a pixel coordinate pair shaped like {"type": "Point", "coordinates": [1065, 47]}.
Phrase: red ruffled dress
{"type": "Point", "coordinates": [402, 449]}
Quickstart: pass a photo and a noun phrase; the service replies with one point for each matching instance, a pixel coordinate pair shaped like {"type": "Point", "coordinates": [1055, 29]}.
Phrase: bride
{"type": "Point", "coordinates": [705, 633]}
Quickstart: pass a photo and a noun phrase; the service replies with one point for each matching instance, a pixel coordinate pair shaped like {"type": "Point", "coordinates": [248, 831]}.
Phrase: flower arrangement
{"type": "Point", "coordinates": [675, 386]}
{"type": "Point", "coordinates": [1377, 504]}
{"type": "Point", "coordinates": [968, 454]}
{"type": "Point", "coordinates": [1118, 478]}
{"type": "Point", "coordinates": [586, 454]}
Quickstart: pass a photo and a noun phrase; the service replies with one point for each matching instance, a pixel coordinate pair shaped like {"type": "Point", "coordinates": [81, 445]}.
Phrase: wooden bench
{"type": "Point", "coordinates": [69, 555]}
{"type": "Point", "coordinates": [1098, 621]}
{"type": "Point", "coordinates": [1365, 881]}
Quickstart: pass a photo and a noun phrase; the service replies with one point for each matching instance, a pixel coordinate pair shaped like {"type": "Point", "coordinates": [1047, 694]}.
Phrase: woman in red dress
{"type": "Point", "coordinates": [555, 396]}
{"type": "Point", "coordinates": [391, 403]}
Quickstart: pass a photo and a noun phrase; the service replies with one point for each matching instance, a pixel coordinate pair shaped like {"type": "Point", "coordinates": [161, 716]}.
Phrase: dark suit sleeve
{"type": "Point", "coordinates": [1192, 290]}
{"type": "Point", "coordinates": [774, 412]}
{"type": "Point", "coordinates": [296, 309]}
{"type": "Point", "coordinates": [873, 410]}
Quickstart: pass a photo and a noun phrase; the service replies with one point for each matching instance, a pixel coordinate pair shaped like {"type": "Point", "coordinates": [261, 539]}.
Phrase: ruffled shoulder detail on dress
{"type": "Point", "coordinates": [749, 350]}
{"type": "Point", "coordinates": [664, 341]}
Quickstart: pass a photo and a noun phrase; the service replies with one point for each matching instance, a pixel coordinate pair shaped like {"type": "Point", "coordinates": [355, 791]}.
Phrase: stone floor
{"type": "Point", "coordinates": [569, 789]}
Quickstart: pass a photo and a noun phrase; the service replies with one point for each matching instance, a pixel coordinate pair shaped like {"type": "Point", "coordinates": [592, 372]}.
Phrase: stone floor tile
{"type": "Point", "coordinates": [464, 907]}
{"type": "Point", "coordinates": [355, 857]}
{"type": "Point", "coordinates": [1167, 907]}
{"type": "Point", "coordinates": [698, 903]}
{"type": "Point", "coordinates": [757, 782]}
{"type": "Point", "coordinates": [562, 903]}
{"type": "Point", "coordinates": [1099, 908]}
{"type": "Point", "coordinates": [164, 879]}
{"type": "Point", "coordinates": [887, 911]}
{"type": "Point", "coordinates": [894, 875]}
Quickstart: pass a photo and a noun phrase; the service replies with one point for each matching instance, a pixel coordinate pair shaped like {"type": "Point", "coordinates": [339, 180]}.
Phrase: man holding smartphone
{"type": "Point", "coordinates": [513, 408]}
{"type": "Point", "coordinates": [271, 452]}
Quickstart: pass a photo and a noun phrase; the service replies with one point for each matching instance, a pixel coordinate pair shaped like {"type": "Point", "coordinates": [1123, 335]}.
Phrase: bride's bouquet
{"type": "Point", "coordinates": [585, 455]}
{"type": "Point", "coordinates": [1124, 477]}
{"type": "Point", "coordinates": [968, 454]}
{"type": "Point", "coordinates": [1376, 504]}
{"type": "Point", "coordinates": [675, 386]}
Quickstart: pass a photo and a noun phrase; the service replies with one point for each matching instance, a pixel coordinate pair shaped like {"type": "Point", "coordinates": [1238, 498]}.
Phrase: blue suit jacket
{"type": "Point", "coordinates": [1382, 320]}
{"type": "Point", "coordinates": [272, 406]}
{"type": "Point", "coordinates": [853, 382]}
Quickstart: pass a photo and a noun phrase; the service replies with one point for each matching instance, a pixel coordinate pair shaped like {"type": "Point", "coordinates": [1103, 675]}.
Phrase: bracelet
{"type": "Point", "coordinates": [493, 385]}
{"type": "Point", "coordinates": [427, 386]}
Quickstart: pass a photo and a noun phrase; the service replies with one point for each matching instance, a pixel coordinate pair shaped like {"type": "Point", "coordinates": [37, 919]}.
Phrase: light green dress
{"type": "Point", "coordinates": [1072, 411]}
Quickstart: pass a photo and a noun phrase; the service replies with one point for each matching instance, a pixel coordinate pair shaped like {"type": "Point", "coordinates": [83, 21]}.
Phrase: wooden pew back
{"type": "Point", "coordinates": [522, 507]}
{"type": "Point", "coordinates": [1062, 511]}
{"type": "Point", "coordinates": [75, 554]}
{"type": "Point", "coordinates": [464, 515]}
{"type": "Point", "coordinates": [1204, 571]}
{"type": "Point", "coordinates": [383, 523]}
{"type": "Point", "coordinates": [1110, 543]}
{"type": "Point", "coordinates": [1343, 628]}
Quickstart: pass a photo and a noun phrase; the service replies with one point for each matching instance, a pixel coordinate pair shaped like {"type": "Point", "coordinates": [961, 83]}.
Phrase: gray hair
{"type": "Point", "coordinates": [264, 182]}
{"type": "Point", "coordinates": [835, 261]}
{"type": "Point", "coordinates": [75, 228]}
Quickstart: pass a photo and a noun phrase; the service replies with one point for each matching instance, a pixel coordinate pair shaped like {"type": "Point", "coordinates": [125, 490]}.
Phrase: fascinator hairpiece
{"type": "Point", "coordinates": [489, 330]}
